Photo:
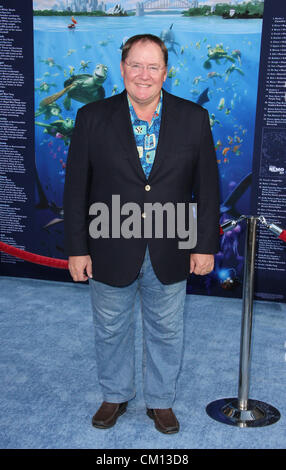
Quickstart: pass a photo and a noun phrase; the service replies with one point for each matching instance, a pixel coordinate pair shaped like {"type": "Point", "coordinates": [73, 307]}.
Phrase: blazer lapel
{"type": "Point", "coordinates": [166, 135]}
{"type": "Point", "coordinates": [121, 122]}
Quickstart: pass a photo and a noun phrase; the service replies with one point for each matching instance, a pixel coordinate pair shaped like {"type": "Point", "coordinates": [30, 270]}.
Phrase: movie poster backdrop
{"type": "Point", "coordinates": [213, 60]}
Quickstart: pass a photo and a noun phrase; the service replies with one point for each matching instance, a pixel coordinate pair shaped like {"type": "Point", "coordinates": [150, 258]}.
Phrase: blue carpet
{"type": "Point", "coordinates": [48, 381]}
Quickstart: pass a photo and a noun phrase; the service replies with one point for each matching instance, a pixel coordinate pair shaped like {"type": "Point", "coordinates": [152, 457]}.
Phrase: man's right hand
{"type": "Point", "coordinates": [77, 267]}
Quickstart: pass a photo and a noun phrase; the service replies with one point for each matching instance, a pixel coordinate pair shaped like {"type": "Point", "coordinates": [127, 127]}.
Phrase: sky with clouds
{"type": "Point", "coordinates": [44, 4]}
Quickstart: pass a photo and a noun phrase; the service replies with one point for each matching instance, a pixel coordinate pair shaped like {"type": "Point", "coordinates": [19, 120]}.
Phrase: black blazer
{"type": "Point", "coordinates": [103, 161]}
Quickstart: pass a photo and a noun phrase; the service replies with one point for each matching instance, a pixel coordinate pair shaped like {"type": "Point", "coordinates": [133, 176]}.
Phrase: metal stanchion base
{"type": "Point", "coordinates": [257, 413]}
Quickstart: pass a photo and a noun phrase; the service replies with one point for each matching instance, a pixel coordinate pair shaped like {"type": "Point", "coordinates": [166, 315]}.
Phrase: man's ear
{"type": "Point", "coordinates": [121, 69]}
{"type": "Point", "coordinates": [166, 73]}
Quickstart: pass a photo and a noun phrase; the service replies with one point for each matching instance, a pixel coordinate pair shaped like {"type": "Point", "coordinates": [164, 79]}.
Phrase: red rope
{"type": "Point", "coordinates": [61, 263]}
{"type": "Point", "coordinates": [33, 258]}
{"type": "Point", "coordinates": [282, 236]}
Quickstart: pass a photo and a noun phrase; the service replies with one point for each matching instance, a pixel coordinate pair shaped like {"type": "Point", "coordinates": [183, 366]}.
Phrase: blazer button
{"type": "Point", "coordinates": [147, 187]}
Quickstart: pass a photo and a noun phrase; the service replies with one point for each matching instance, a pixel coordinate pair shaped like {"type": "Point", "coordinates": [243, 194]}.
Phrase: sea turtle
{"type": "Point", "coordinates": [84, 65]}
{"type": "Point", "coordinates": [168, 37]}
{"type": "Point", "coordinates": [62, 129]}
{"type": "Point", "coordinates": [45, 87]}
{"type": "Point", "coordinates": [84, 88]}
{"type": "Point", "coordinates": [213, 120]}
{"type": "Point", "coordinates": [231, 69]}
{"type": "Point", "coordinates": [50, 110]}
{"type": "Point", "coordinates": [237, 55]}
{"type": "Point", "coordinates": [216, 53]}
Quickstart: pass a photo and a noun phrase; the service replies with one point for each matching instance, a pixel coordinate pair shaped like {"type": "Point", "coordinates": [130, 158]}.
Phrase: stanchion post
{"type": "Point", "coordinates": [247, 312]}
{"type": "Point", "coordinates": [242, 411]}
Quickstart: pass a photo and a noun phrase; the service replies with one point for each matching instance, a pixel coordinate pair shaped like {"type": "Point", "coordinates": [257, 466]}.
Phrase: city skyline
{"type": "Point", "coordinates": [90, 5]}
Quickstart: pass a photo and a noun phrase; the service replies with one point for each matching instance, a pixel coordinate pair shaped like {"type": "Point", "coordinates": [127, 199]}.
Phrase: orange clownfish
{"type": "Point", "coordinates": [225, 150]}
{"type": "Point", "coordinates": [235, 148]}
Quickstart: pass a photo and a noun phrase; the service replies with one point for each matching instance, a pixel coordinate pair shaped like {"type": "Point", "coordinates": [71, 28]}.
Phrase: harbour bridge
{"type": "Point", "coordinates": [166, 4]}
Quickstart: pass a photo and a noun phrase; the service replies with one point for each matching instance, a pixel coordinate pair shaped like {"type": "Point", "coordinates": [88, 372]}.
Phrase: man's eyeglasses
{"type": "Point", "coordinates": [138, 68]}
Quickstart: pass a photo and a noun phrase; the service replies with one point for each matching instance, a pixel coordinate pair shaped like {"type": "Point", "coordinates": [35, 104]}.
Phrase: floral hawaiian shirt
{"type": "Point", "coordinates": [146, 136]}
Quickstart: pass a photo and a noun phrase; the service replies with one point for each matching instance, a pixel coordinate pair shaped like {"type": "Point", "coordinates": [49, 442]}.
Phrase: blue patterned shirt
{"type": "Point", "coordinates": [146, 136]}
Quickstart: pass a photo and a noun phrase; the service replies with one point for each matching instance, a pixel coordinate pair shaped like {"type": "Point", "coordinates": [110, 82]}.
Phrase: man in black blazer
{"type": "Point", "coordinates": [143, 146]}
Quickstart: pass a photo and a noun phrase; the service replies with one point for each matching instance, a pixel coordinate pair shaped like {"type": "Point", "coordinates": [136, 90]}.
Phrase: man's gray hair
{"type": "Point", "coordinates": [144, 38]}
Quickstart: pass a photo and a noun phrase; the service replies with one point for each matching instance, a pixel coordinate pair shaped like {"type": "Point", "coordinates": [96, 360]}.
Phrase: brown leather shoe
{"type": "Point", "coordinates": [106, 416]}
{"type": "Point", "coordinates": [165, 420]}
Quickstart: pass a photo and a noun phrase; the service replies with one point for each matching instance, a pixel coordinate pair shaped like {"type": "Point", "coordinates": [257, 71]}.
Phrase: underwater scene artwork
{"type": "Point", "coordinates": [212, 61]}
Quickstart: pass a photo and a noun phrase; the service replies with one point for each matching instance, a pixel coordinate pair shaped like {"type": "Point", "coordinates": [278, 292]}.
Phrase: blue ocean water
{"type": "Point", "coordinates": [97, 40]}
{"type": "Point", "coordinates": [231, 82]}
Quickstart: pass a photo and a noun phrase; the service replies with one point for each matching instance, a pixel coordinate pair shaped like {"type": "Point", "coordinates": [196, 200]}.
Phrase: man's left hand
{"type": "Point", "coordinates": [201, 264]}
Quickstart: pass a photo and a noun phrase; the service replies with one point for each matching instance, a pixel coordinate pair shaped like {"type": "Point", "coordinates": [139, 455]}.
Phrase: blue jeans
{"type": "Point", "coordinates": [162, 324]}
